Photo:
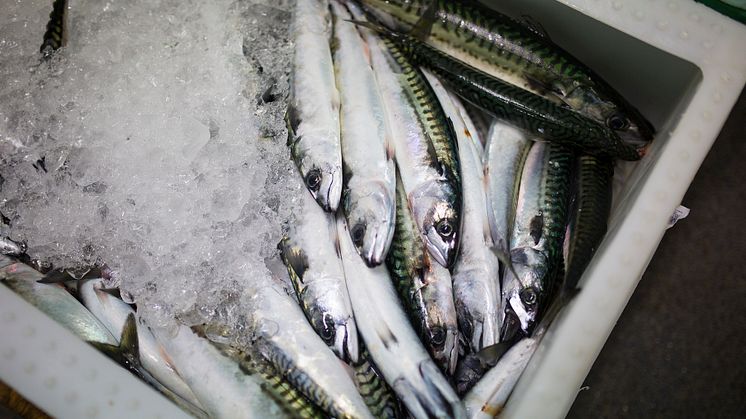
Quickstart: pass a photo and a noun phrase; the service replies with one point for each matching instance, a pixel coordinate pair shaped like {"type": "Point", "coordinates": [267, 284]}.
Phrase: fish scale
{"type": "Point", "coordinates": [378, 396]}
{"type": "Point", "coordinates": [517, 106]}
{"type": "Point", "coordinates": [589, 215]}
{"type": "Point", "coordinates": [518, 52]}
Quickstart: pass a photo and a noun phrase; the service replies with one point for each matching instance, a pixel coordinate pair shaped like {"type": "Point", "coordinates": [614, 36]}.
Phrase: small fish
{"type": "Point", "coordinates": [368, 199]}
{"type": "Point", "coordinates": [313, 112]}
{"type": "Point", "coordinates": [507, 148]}
{"type": "Point", "coordinates": [391, 341]}
{"type": "Point", "coordinates": [287, 341]}
{"type": "Point", "coordinates": [55, 301]}
{"type": "Point", "coordinates": [315, 268]}
{"type": "Point", "coordinates": [112, 312]}
{"type": "Point", "coordinates": [517, 106]}
{"type": "Point", "coordinates": [476, 274]}
{"type": "Point", "coordinates": [425, 287]}
{"type": "Point", "coordinates": [219, 383]}
{"type": "Point", "coordinates": [425, 149]}
{"type": "Point", "coordinates": [516, 52]}
{"type": "Point", "coordinates": [537, 238]}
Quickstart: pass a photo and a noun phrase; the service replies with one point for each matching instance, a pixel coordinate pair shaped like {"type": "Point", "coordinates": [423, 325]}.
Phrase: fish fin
{"type": "Point", "coordinates": [489, 355]}
{"type": "Point", "coordinates": [127, 353]}
{"type": "Point", "coordinates": [537, 84]}
{"type": "Point", "coordinates": [453, 130]}
{"type": "Point", "coordinates": [389, 146]}
{"type": "Point", "coordinates": [292, 120]}
{"type": "Point", "coordinates": [114, 292]}
{"type": "Point", "coordinates": [294, 259]}
{"type": "Point", "coordinates": [424, 25]}
{"type": "Point", "coordinates": [55, 276]}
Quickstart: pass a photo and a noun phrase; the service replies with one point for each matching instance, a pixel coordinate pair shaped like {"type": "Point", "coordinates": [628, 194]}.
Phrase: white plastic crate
{"type": "Point", "coordinates": [681, 63]}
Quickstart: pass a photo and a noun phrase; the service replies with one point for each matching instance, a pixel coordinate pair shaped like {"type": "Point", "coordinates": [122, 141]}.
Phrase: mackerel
{"type": "Point", "coordinates": [476, 275]}
{"type": "Point", "coordinates": [368, 199]}
{"type": "Point", "coordinates": [313, 263]}
{"type": "Point", "coordinates": [425, 287]}
{"type": "Point", "coordinates": [425, 149]}
{"type": "Point", "coordinates": [516, 52]}
{"type": "Point", "coordinates": [391, 341]}
{"type": "Point", "coordinates": [313, 110]}
{"type": "Point", "coordinates": [537, 238]}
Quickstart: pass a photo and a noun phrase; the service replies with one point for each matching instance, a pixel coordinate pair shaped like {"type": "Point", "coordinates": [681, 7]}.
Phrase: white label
{"type": "Point", "coordinates": [679, 214]}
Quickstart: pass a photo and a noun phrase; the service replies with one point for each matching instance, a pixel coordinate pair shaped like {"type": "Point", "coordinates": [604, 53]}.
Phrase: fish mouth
{"type": "Point", "coordinates": [443, 254]}
{"type": "Point", "coordinates": [375, 248]}
{"type": "Point", "coordinates": [511, 326]}
{"type": "Point", "coordinates": [345, 342]}
{"type": "Point", "coordinates": [330, 191]}
{"type": "Point", "coordinates": [436, 400]}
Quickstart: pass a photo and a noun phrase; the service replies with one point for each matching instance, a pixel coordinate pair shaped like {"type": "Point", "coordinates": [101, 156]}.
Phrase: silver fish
{"type": "Point", "coordinates": [507, 148]}
{"type": "Point", "coordinates": [113, 313]}
{"type": "Point", "coordinates": [425, 149]}
{"type": "Point", "coordinates": [368, 199]}
{"type": "Point", "coordinates": [476, 274]}
{"type": "Point", "coordinates": [285, 338]}
{"type": "Point", "coordinates": [218, 382]}
{"type": "Point", "coordinates": [313, 111]}
{"type": "Point", "coordinates": [313, 263]}
{"type": "Point", "coordinates": [391, 341]}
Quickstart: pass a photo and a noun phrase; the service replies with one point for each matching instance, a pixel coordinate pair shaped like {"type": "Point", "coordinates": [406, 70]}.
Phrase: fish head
{"type": "Point", "coordinates": [370, 212]}
{"type": "Point", "coordinates": [614, 113]}
{"type": "Point", "coordinates": [324, 182]}
{"type": "Point", "coordinates": [442, 229]}
{"type": "Point", "coordinates": [339, 333]}
{"type": "Point", "coordinates": [440, 322]}
{"type": "Point", "coordinates": [523, 293]}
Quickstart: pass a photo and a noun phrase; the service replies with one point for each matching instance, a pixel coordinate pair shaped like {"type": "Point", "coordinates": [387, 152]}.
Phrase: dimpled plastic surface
{"type": "Point", "coordinates": [687, 98]}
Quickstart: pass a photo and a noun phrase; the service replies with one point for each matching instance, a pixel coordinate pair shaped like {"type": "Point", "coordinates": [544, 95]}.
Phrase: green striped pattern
{"type": "Point", "coordinates": [555, 202]}
{"type": "Point", "coordinates": [434, 120]}
{"type": "Point", "coordinates": [589, 216]}
{"type": "Point", "coordinates": [54, 35]}
{"type": "Point", "coordinates": [378, 396]}
{"type": "Point", "coordinates": [294, 404]}
{"type": "Point", "coordinates": [515, 105]}
{"type": "Point", "coordinates": [284, 365]}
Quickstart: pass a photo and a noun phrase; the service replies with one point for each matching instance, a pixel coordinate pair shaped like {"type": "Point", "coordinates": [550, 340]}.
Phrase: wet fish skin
{"type": "Point", "coordinates": [112, 312]}
{"type": "Point", "coordinates": [425, 287]}
{"type": "Point", "coordinates": [475, 274]}
{"type": "Point", "coordinates": [518, 53]}
{"type": "Point", "coordinates": [425, 149]}
{"type": "Point", "coordinates": [313, 110]}
{"type": "Point", "coordinates": [287, 341]}
{"type": "Point", "coordinates": [507, 148]}
{"type": "Point", "coordinates": [589, 215]}
{"type": "Point", "coordinates": [537, 238]}
{"type": "Point", "coordinates": [313, 263]}
{"type": "Point", "coordinates": [515, 105]}
{"type": "Point", "coordinates": [368, 198]}
{"type": "Point", "coordinates": [391, 341]}
{"type": "Point", "coordinates": [379, 397]}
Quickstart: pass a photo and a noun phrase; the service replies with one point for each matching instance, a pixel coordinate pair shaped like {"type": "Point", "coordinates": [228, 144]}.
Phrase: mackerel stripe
{"type": "Point", "coordinates": [515, 105]}
{"type": "Point", "coordinates": [589, 215]}
{"type": "Point", "coordinates": [378, 396]}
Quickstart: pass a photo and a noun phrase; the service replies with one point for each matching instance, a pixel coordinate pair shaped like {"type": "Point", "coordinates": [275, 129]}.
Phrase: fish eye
{"type": "Point", "coordinates": [529, 296]}
{"type": "Point", "coordinates": [357, 234]}
{"type": "Point", "coordinates": [444, 229]}
{"type": "Point", "coordinates": [313, 180]}
{"type": "Point", "coordinates": [617, 121]}
{"type": "Point", "coordinates": [438, 336]}
{"type": "Point", "coordinates": [326, 331]}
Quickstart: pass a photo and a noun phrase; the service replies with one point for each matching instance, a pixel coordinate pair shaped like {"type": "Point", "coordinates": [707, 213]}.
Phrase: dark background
{"type": "Point", "coordinates": [679, 348]}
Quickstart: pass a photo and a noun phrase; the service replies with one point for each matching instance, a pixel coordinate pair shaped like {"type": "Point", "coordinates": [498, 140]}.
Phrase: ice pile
{"type": "Point", "coordinates": [153, 142]}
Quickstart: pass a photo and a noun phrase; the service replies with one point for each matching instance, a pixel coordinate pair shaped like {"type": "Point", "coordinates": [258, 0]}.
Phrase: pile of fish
{"type": "Point", "coordinates": [459, 168]}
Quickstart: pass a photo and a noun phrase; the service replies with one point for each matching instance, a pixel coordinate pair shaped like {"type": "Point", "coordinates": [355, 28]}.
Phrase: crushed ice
{"type": "Point", "coordinates": [153, 142]}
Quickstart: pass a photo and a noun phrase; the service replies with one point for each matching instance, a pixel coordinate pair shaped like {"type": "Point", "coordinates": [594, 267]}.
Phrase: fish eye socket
{"type": "Point", "coordinates": [357, 234]}
{"type": "Point", "coordinates": [617, 121]}
{"type": "Point", "coordinates": [327, 333]}
{"type": "Point", "coordinates": [444, 229]}
{"type": "Point", "coordinates": [313, 180]}
{"type": "Point", "coordinates": [529, 296]}
{"type": "Point", "coordinates": [438, 336]}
